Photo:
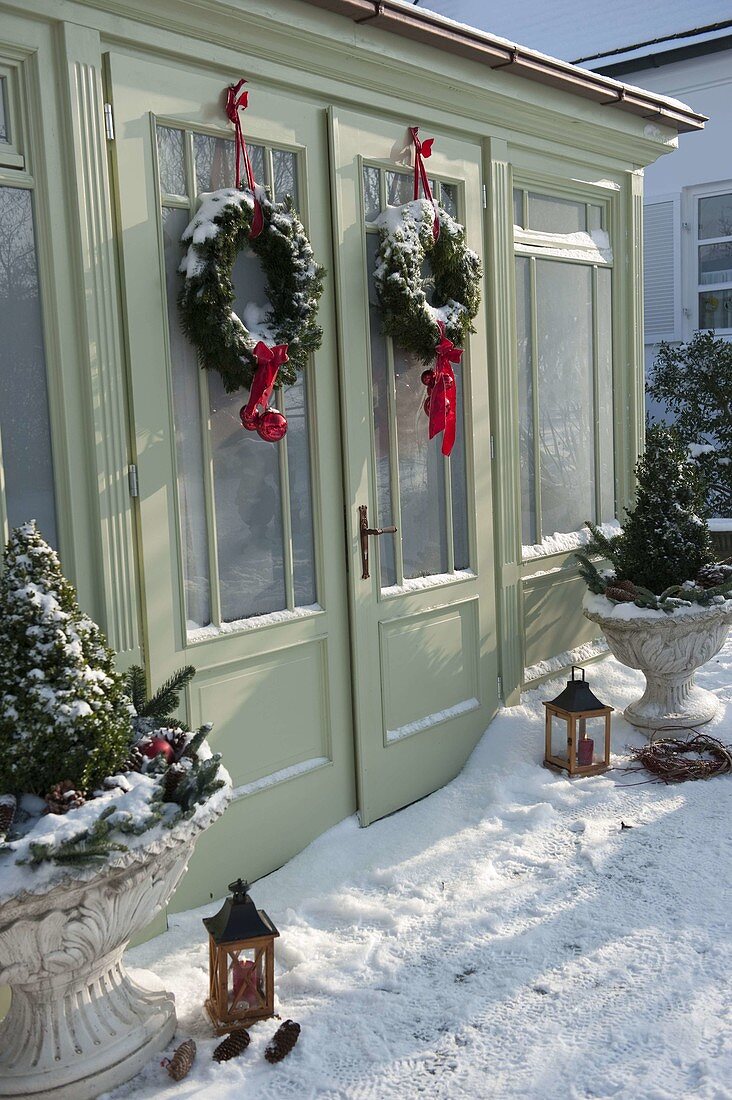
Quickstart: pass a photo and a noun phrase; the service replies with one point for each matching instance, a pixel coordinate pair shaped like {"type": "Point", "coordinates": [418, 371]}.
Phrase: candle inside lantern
{"type": "Point", "coordinates": [585, 751]}
{"type": "Point", "coordinates": [245, 982]}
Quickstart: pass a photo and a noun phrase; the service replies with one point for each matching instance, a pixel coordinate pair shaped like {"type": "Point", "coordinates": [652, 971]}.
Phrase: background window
{"type": "Point", "coordinates": [714, 260]}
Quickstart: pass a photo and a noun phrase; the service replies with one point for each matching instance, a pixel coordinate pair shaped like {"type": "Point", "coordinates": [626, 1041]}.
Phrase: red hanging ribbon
{"type": "Point", "coordinates": [423, 150]}
{"type": "Point", "coordinates": [441, 404]}
{"type": "Point", "coordinates": [269, 361]}
{"type": "Point", "coordinates": [237, 99]}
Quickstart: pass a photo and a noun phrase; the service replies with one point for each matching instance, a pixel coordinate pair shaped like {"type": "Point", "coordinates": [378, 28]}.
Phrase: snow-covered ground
{"type": "Point", "coordinates": [503, 938]}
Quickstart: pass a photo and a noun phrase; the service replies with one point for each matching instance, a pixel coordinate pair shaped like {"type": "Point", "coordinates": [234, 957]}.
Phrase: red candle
{"type": "Point", "coordinates": [585, 751]}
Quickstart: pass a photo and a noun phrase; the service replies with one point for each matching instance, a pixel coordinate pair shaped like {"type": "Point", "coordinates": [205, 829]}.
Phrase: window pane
{"type": "Point", "coordinates": [715, 263]}
{"type": "Point", "coordinates": [518, 207]}
{"type": "Point", "coordinates": [25, 429]}
{"type": "Point", "coordinates": [248, 510]}
{"type": "Point", "coordinates": [371, 202]}
{"type": "Point", "coordinates": [256, 158]}
{"type": "Point", "coordinates": [171, 163]}
{"type": "Point", "coordinates": [294, 405]}
{"type": "Point", "coordinates": [188, 445]}
{"type": "Point", "coordinates": [285, 176]}
{"type": "Point", "coordinates": [421, 475]}
{"type": "Point", "coordinates": [715, 217]}
{"type": "Point", "coordinates": [214, 162]}
{"type": "Point", "coordinates": [4, 128]}
{"type": "Point", "coordinates": [526, 396]}
{"type": "Point", "coordinates": [715, 309]}
{"type": "Point", "coordinates": [459, 482]}
{"type": "Point", "coordinates": [551, 215]}
{"type": "Point", "coordinates": [449, 199]}
{"type": "Point", "coordinates": [380, 400]}
{"type": "Point", "coordinates": [564, 346]}
{"type": "Point", "coordinates": [594, 218]}
{"type": "Point", "coordinates": [399, 188]}
{"type": "Point", "coordinates": [604, 427]}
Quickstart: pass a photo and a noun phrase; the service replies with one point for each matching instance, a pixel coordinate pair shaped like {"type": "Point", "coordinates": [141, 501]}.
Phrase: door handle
{"type": "Point", "coordinates": [364, 532]}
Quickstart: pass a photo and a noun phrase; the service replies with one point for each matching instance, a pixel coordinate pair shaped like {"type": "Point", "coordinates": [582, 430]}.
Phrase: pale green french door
{"type": "Point", "coordinates": [423, 621]}
{"type": "Point", "coordinates": [241, 541]}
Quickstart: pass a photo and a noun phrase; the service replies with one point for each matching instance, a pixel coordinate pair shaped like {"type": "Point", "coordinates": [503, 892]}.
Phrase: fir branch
{"type": "Point", "coordinates": [136, 686]}
{"type": "Point", "coordinates": [163, 702]}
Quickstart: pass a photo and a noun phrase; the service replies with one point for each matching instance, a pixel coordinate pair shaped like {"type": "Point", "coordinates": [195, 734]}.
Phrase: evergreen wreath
{"type": "Point", "coordinates": [294, 285]}
{"type": "Point", "coordinates": [406, 242]}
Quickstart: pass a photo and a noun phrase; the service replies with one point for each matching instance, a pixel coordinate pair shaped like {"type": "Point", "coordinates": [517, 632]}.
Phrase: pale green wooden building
{"type": "Point", "coordinates": [192, 541]}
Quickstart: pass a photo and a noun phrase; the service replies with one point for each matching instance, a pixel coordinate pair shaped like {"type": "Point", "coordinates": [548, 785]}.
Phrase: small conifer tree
{"type": "Point", "coordinates": [63, 711]}
{"type": "Point", "coordinates": [665, 540]}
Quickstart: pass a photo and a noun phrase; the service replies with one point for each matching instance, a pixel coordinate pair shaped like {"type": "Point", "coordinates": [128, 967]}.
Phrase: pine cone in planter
{"type": "Point", "coordinates": [134, 761]}
{"type": "Point", "coordinates": [235, 1043]}
{"type": "Point", "coordinates": [709, 576]}
{"type": "Point", "coordinates": [63, 797]}
{"type": "Point", "coordinates": [7, 813]}
{"type": "Point", "coordinates": [621, 591]}
{"type": "Point", "coordinates": [171, 779]}
{"type": "Point", "coordinates": [282, 1041]}
{"type": "Point", "coordinates": [180, 1064]}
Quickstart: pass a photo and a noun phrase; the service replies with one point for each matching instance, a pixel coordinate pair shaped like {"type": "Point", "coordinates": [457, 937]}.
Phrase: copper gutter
{"type": "Point", "coordinates": [427, 27]}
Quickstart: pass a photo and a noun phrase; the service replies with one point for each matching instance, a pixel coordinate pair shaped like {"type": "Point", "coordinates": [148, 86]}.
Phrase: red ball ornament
{"type": "Point", "coordinates": [428, 378]}
{"type": "Point", "coordinates": [155, 746]}
{"type": "Point", "coordinates": [273, 426]}
{"type": "Point", "coordinates": [250, 421]}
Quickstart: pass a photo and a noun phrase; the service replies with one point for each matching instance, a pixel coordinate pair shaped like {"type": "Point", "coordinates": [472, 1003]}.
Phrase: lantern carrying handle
{"type": "Point", "coordinates": [578, 668]}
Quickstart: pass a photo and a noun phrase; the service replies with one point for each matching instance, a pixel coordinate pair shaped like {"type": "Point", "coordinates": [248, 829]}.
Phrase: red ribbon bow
{"type": "Point", "coordinates": [237, 99]}
{"type": "Point", "coordinates": [269, 361]}
{"type": "Point", "coordinates": [443, 392]}
{"type": "Point", "coordinates": [423, 150]}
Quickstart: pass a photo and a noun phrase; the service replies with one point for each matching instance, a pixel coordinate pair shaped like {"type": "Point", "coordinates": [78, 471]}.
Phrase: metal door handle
{"type": "Point", "coordinates": [364, 532]}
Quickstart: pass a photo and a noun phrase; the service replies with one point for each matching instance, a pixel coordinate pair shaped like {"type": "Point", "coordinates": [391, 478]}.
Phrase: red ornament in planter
{"type": "Point", "coordinates": [157, 746]}
{"type": "Point", "coordinates": [272, 426]}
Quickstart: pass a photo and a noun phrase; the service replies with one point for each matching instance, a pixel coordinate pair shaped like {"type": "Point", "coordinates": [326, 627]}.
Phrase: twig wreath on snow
{"type": "Point", "coordinates": [411, 235]}
{"type": "Point", "coordinates": [273, 344]}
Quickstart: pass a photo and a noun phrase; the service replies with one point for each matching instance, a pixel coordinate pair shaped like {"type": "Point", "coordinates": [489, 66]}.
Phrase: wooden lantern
{"type": "Point", "coordinates": [577, 730]}
{"type": "Point", "coordinates": [241, 962]}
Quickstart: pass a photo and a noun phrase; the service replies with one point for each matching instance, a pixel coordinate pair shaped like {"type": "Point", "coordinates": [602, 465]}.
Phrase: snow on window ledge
{"type": "Point", "coordinates": [197, 633]}
{"type": "Point", "coordinates": [416, 584]}
{"type": "Point", "coordinates": [577, 656]}
{"type": "Point", "coordinates": [562, 542]}
{"type": "Point", "coordinates": [719, 523]}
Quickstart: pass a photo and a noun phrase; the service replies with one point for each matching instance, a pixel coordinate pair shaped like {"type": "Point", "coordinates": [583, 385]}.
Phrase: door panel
{"type": "Point", "coordinates": [423, 623]}
{"type": "Point", "coordinates": [241, 541]}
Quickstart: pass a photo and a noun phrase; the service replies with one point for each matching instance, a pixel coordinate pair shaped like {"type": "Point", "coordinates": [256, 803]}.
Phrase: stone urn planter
{"type": "Point", "coordinates": [78, 1025]}
{"type": "Point", "coordinates": [667, 649]}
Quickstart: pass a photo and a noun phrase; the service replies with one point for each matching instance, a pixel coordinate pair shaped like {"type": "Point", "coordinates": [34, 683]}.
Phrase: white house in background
{"type": "Point", "coordinates": [682, 49]}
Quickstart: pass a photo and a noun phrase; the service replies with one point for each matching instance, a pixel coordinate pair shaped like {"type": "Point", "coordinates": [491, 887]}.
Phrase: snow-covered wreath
{"type": "Point", "coordinates": [406, 241]}
{"type": "Point", "coordinates": [221, 228]}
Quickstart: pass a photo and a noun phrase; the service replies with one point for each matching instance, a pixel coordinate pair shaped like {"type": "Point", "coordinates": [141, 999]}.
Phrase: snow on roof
{"type": "Point", "coordinates": [570, 30]}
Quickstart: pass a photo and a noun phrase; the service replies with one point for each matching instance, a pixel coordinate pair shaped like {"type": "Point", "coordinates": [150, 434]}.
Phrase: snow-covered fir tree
{"type": "Point", "coordinates": [64, 714]}
{"type": "Point", "coordinates": [665, 540]}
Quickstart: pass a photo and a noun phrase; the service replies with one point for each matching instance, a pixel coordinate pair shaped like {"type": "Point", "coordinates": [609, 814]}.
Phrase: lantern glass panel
{"type": "Point", "coordinates": [559, 736]}
{"type": "Point", "coordinates": [247, 980]}
{"type": "Point", "coordinates": [590, 741]}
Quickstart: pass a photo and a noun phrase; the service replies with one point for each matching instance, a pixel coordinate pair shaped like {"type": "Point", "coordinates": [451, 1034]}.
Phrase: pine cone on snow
{"type": "Point", "coordinates": [7, 813]}
{"type": "Point", "coordinates": [63, 797]}
{"type": "Point", "coordinates": [233, 1045]}
{"type": "Point", "coordinates": [621, 591]}
{"type": "Point", "coordinates": [282, 1041]}
{"type": "Point", "coordinates": [171, 779]}
{"type": "Point", "coordinates": [178, 739]}
{"type": "Point", "coordinates": [134, 761]}
{"type": "Point", "coordinates": [709, 576]}
{"type": "Point", "coordinates": [180, 1064]}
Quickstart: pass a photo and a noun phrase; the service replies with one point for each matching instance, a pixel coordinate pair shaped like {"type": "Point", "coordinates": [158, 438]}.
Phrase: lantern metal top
{"type": "Point", "coordinates": [239, 918]}
{"type": "Point", "coordinates": [577, 697]}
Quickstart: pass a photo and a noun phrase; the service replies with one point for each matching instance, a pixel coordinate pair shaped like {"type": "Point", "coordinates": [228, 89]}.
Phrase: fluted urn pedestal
{"type": "Point", "coordinates": [668, 649]}
{"type": "Point", "coordinates": [78, 1025]}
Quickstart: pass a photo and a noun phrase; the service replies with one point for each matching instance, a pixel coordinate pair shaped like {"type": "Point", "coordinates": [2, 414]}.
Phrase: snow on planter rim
{"type": "Point", "coordinates": [17, 880]}
{"type": "Point", "coordinates": [595, 604]}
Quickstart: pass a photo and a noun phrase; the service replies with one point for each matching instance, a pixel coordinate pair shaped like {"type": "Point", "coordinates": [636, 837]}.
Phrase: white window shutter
{"type": "Point", "coordinates": [661, 277]}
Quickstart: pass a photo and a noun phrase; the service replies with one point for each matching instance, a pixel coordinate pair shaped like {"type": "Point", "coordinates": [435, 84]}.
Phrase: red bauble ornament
{"type": "Point", "coordinates": [272, 426]}
{"type": "Point", "coordinates": [250, 421]}
{"type": "Point", "coordinates": [155, 746]}
{"type": "Point", "coordinates": [428, 378]}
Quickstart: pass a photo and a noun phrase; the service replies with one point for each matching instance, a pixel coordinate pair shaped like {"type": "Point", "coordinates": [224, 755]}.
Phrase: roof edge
{"type": "Point", "coordinates": [444, 34]}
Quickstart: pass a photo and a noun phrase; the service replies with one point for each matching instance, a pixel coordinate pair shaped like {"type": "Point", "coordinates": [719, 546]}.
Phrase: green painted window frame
{"type": "Point", "coordinates": [535, 245]}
